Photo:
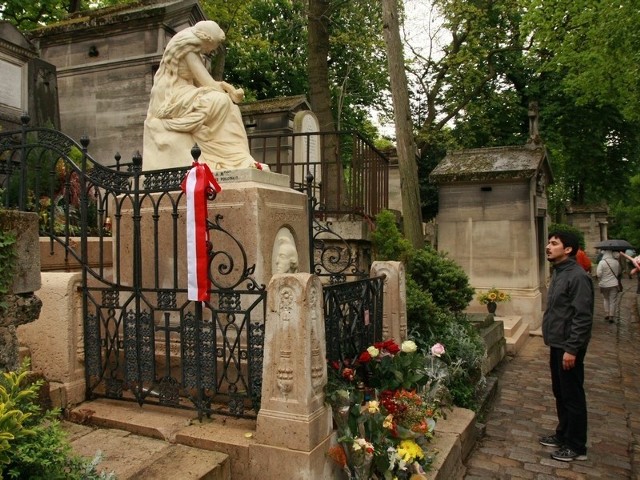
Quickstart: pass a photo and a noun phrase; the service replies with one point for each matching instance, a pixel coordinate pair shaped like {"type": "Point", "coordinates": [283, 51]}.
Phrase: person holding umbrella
{"type": "Point", "coordinates": [608, 273]}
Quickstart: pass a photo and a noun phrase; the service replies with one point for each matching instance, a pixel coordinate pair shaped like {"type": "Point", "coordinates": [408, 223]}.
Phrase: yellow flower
{"type": "Point", "coordinates": [409, 451]}
{"type": "Point", "coordinates": [372, 406]}
{"type": "Point", "coordinates": [388, 422]}
{"type": "Point", "coordinates": [493, 295]}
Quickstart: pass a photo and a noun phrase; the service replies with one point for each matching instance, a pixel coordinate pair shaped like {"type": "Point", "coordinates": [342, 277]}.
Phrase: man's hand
{"type": "Point", "coordinates": [568, 361]}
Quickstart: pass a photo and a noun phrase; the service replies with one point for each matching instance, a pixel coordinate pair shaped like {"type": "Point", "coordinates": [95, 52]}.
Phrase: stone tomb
{"type": "Point", "coordinates": [254, 205]}
{"type": "Point", "coordinates": [256, 208]}
{"type": "Point", "coordinates": [492, 221]}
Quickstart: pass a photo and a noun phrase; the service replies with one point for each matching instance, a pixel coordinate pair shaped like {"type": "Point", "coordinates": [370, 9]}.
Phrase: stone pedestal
{"type": "Point", "coordinates": [254, 206]}
{"type": "Point", "coordinates": [55, 339]}
{"type": "Point", "coordinates": [21, 305]}
{"type": "Point", "coordinates": [394, 310]}
{"type": "Point", "coordinates": [294, 426]}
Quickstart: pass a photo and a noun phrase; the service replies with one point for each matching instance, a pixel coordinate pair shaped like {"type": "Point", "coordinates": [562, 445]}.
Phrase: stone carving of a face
{"type": "Point", "coordinates": [285, 254]}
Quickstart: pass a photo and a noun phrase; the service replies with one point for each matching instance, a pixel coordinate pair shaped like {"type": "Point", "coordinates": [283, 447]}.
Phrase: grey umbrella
{"type": "Point", "coordinates": [613, 244]}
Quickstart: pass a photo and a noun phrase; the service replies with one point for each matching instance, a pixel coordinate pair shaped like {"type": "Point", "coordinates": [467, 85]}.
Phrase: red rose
{"type": "Point", "coordinates": [391, 347]}
{"type": "Point", "coordinates": [364, 357]}
{"type": "Point", "coordinates": [348, 374]}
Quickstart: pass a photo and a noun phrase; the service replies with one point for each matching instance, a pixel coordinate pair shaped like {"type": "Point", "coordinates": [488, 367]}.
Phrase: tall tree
{"type": "Point", "coordinates": [458, 58]}
{"type": "Point", "coordinates": [30, 14]}
{"type": "Point", "coordinates": [412, 216]}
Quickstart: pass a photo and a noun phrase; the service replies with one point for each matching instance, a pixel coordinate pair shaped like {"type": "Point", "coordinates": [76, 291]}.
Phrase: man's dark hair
{"type": "Point", "coordinates": [568, 239]}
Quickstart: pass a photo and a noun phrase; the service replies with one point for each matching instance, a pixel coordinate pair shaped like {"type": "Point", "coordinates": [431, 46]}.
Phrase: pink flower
{"type": "Point", "coordinates": [437, 350]}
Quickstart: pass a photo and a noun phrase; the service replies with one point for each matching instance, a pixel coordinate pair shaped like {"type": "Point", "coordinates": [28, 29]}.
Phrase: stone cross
{"type": "Point", "coordinates": [534, 118]}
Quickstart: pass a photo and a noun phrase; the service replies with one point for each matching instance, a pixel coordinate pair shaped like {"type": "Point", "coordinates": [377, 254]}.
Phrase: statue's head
{"type": "Point", "coordinates": [286, 255]}
{"type": "Point", "coordinates": [210, 33]}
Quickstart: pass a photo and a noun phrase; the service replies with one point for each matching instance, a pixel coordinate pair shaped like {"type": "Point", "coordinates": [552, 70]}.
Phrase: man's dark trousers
{"type": "Point", "coordinates": [571, 403]}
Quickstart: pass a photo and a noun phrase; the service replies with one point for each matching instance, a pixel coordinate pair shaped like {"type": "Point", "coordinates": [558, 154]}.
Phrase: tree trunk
{"type": "Point", "coordinates": [409, 186]}
{"type": "Point", "coordinates": [320, 99]}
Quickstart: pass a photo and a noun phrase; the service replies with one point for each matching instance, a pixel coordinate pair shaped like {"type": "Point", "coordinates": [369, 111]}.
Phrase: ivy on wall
{"type": "Point", "coordinates": [7, 263]}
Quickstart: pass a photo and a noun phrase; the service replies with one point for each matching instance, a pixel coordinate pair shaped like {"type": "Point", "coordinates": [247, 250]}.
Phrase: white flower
{"type": "Point", "coordinates": [373, 351]}
{"type": "Point", "coordinates": [408, 346]}
{"type": "Point", "coordinates": [437, 350]}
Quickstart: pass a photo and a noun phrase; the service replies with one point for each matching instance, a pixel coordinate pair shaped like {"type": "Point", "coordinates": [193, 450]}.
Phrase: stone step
{"type": "Point", "coordinates": [137, 457]}
{"type": "Point", "coordinates": [493, 337]}
{"type": "Point", "coordinates": [517, 339]}
{"type": "Point", "coordinates": [220, 434]}
{"type": "Point", "coordinates": [511, 324]}
{"type": "Point", "coordinates": [454, 439]}
{"type": "Point", "coordinates": [147, 442]}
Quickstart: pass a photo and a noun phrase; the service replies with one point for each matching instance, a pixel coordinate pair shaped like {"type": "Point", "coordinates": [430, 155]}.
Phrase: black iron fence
{"type": "Point", "coordinates": [143, 340]}
{"type": "Point", "coordinates": [353, 317]}
{"type": "Point", "coordinates": [350, 175]}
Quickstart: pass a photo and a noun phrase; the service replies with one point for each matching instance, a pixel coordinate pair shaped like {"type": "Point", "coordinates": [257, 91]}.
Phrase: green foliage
{"type": "Point", "coordinates": [267, 53]}
{"type": "Point", "coordinates": [593, 46]}
{"type": "Point", "coordinates": [437, 292]}
{"type": "Point", "coordinates": [7, 263]}
{"type": "Point", "coordinates": [442, 277]}
{"type": "Point", "coordinates": [626, 215]}
{"type": "Point", "coordinates": [31, 14]}
{"type": "Point", "coordinates": [388, 243]}
{"type": "Point", "coordinates": [464, 354]}
{"type": "Point", "coordinates": [33, 444]}
{"type": "Point", "coordinates": [562, 227]}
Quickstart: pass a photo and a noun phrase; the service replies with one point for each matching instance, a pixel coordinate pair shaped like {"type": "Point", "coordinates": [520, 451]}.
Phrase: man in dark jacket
{"type": "Point", "coordinates": [566, 328]}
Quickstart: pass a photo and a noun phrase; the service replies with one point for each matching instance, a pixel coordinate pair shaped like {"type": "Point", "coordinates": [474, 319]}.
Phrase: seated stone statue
{"type": "Point", "coordinates": [188, 106]}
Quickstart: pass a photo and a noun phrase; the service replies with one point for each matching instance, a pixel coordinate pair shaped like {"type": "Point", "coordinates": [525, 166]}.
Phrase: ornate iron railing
{"type": "Point", "coordinates": [350, 175]}
{"type": "Point", "coordinates": [353, 317]}
{"type": "Point", "coordinates": [143, 340]}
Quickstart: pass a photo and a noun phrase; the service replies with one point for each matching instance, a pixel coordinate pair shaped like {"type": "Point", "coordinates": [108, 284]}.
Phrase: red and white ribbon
{"type": "Point", "coordinates": [195, 185]}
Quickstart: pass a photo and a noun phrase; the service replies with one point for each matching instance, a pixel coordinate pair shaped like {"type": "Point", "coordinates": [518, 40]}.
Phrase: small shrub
{"type": "Point", "coordinates": [33, 444]}
{"type": "Point", "coordinates": [438, 291]}
{"type": "Point", "coordinates": [388, 243]}
{"type": "Point", "coordinates": [442, 277]}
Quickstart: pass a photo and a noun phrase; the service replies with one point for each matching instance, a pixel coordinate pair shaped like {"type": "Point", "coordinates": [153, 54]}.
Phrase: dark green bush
{"type": "Point", "coordinates": [438, 291]}
{"type": "Point", "coordinates": [387, 241]}
{"type": "Point", "coordinates": [442, 277]}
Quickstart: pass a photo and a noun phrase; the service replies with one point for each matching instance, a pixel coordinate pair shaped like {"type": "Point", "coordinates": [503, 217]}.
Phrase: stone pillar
{"type": "Point", "coordinates": [294, 425]}
{"type": "Point", "coordinates": [21, 304]}
{"type": "Point", "coordinates": [394, 311]}
{"type": "Point", "coordinates": [55, 339]}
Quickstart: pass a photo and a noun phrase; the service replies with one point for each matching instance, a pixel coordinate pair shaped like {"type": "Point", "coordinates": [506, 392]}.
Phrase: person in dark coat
{"type": "Point", "coordinates": [566, 329]}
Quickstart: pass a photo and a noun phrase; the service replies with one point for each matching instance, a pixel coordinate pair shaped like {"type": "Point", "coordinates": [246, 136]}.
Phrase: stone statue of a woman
{"type": "Point", "coordinates": [188, 106]}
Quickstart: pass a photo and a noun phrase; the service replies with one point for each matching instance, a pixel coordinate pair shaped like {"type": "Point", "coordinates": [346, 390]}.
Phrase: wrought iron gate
{"type": "Point", "coordinates": [144, 341]}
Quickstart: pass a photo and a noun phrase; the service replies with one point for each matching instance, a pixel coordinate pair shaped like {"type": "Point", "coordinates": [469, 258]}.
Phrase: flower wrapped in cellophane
{"type": "Point", "coordinates": [385, 406]}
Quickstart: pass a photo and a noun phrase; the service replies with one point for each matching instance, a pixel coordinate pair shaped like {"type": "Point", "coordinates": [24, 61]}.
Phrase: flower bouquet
{"type": "Point", "coordinates": [493, 295]}
{"type": "Point", "coordinates": [385, 407]}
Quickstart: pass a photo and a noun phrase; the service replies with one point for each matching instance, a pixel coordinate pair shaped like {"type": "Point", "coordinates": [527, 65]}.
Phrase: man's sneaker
{"type": "Point", "coordinates": [550, 441]}
{"type": "Point", "coordinates": [568, 455]}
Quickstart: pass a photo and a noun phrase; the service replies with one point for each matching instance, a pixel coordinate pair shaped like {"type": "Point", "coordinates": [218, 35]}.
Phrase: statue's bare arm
{"type": "Point", "coordinates": [204, 79]}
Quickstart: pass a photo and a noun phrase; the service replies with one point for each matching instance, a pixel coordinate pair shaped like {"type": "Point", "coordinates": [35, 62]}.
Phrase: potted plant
{"type": "Point", "coordinates": [491, 298]}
